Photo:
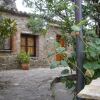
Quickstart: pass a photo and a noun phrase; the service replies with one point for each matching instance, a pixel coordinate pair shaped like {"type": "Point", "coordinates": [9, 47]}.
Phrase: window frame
{"type": "Point", "coordinates": [26, 36]}
{"type": "Point", "coordinates": [10, 46]}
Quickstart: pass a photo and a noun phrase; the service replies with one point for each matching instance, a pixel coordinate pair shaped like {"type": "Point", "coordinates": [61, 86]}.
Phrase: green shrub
{"type": "Point", "coordinates": [23, 57]}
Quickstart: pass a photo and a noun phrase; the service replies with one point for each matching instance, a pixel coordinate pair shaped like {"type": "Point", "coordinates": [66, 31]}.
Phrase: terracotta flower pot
{"type": "Point", "coordinates": [25, 66]}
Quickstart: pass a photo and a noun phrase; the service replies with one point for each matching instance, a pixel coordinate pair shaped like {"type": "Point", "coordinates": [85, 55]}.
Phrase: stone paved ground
{"type": "Point", "coordinates": [31, 85]}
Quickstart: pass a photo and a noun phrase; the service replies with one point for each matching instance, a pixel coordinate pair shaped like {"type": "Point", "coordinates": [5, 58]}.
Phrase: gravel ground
{"type": "Point", "coordinates": [31, 84]}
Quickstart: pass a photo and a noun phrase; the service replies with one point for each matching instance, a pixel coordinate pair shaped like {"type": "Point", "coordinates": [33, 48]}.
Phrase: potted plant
{"type": "Point", "coordinates": [24, 60]}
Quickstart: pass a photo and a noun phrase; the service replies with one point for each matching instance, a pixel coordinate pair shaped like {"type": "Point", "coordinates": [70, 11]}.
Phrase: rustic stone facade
{"type": "Point", "coordinates": [8, 61]}
{"type": "Point", "coordinates": [45, 44]}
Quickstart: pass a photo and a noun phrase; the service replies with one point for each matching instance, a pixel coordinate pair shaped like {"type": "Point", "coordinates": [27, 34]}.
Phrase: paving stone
{"type": "Point", "coordinates": [31, 85]}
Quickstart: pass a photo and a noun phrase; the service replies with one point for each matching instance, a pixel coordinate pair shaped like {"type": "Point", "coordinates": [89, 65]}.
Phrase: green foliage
{"type": "Point", "coordinates": [97, 73]}
{"type": "Point", "coordinates": [63, 63]}
{"type": "Point", "coordinates": [92, 65]}
{"type": "Point", "coordinates": [51, 53]}
{"type": "Point", "coordinates": [54, 64]}
{"type": "Point", "coordinates": [65, 71]}
{"type": "Point", "coordinates": [72, 60]}
{"type": "Point", "coordinates": [91, 60]}
{"type": "Point", "coordinates": [64, 10]}
{"type": "Point", "coordinates": [7, 28]}
{"type": "Point", "coordinates": [75, 28]}
{"type": "Point", "coordinates": [37, 25]}
{"type": "Point", "coordinates": [23, 58]}
{"type": "Point", "coordinates": [70, 84]}
{"type": "Point", "coordinates": [92, 55]}
{"type": "Point", "coordinates": [56, 44]}
{"type": "Point", "coordinates": [60, 50]}
{"type": "Point", "coordinates": [28, 3]}
{"type": "Point", "coordinates": [89, 73]}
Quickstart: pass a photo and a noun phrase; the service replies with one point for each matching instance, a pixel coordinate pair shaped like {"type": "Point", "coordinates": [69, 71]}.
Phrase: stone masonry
{"type": "Point", "coordinates": [8, 62]}
{"type": "Point", "coordinates": [45, 44]}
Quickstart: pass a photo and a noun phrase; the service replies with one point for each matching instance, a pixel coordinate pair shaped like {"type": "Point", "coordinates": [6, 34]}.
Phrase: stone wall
{"type": "Point", "coordinates": [49, 41]}
{"type": "Point", "coordinates": [45, 44]}
{"type": "Point", "coordinates": [8, 61]}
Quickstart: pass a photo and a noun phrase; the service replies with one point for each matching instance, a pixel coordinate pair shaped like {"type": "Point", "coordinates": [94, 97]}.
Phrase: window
{"type": "Point", "coordinates": [5, 45]}
{"type": "Point", "coordinates": [28, 44]}
{"type": "Point", "coordinates": [60, 40]}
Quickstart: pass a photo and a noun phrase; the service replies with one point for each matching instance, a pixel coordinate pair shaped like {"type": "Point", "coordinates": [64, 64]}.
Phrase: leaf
{"type": "Point", "coordinates": [82, 22]}
{"type": "Point", "coordinates": [60, 50]}
{"type": "Point", "coordinates": [50, 1]}
{"type": "Point", "coordinates": [89, 73]}
{"type": "Point", "coordinates": [92, 65]}
{"type": "Point", "coordinates": [50, 54]}
{"type": "Point", "coordinates": [57, 44]}
{"type": "Point", "coordinates": [97, 41]}
{"type": "Point", "coordinates": [97, 73]}
{"type": "Point", "coordinates": [64, 63]}
{"type": "Point", "coordinates": [65, 71]}
{"type": "Point", "coordinates": [75, 28]}
{"type": "Point", "coordinates": [70, 84]}
{"type": "Point", "coordinates": [53, 64]}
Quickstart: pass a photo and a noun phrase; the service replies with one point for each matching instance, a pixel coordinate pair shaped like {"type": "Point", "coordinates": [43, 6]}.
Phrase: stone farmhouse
{"type": "Point", "coordinates": [24, 40]}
